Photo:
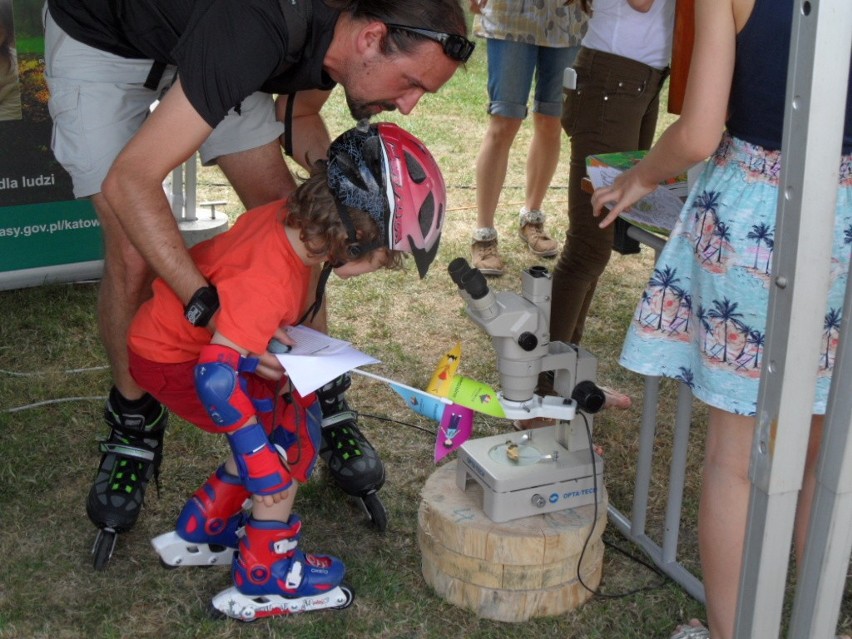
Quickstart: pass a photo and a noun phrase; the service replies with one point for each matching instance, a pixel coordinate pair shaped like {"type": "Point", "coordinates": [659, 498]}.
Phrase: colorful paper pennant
{"type": "Point", "coordinates": [440, 383]}
{"type": "Point", "coordinates": [476, 396]}
{"type": "Point", "coordinates": [420, 402]}
{"type": "Point", "coordinates": [455, 429]}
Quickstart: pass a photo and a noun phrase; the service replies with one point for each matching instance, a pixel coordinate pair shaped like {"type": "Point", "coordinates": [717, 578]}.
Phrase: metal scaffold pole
{"type": "Point", "coordinates": [823, 575]}
{"type": "Point", "coordinates": [813, 130]}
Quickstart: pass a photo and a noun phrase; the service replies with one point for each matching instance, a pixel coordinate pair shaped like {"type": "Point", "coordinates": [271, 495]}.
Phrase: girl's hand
{"type": "Point", "coordinates": [624, 192]}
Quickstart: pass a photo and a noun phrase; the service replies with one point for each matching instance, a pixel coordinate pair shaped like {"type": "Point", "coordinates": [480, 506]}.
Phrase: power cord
{"type": "Point", "coordinates": [47, 402]}
{"type": "Point", "coordinates": [639, 560]}
{"type": "Point", "coordinates": [401, 423]}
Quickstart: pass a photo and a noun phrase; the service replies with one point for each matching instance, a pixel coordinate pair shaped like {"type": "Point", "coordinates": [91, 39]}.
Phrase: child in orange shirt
{"type": "Point", "coordinates": [379, 194]}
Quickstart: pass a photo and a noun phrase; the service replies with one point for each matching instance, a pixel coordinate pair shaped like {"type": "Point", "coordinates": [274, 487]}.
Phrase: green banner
{"type": "Point", "coordinates": [41, 224]}
{"type": "Point", "coordinates": [48, 235]}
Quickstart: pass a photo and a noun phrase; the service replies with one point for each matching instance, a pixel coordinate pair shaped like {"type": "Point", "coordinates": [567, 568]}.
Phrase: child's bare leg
{"type": "Point", "coordinates": [722, 515]}
{"type": "Point", "coordinates": [803, 507]}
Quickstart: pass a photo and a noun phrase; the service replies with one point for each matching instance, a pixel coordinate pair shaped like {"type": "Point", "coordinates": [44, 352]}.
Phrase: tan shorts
{"type": "Point", "coordinates": [98, 101]}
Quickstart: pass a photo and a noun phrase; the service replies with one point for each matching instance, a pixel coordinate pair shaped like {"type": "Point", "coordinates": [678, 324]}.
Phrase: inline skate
{"type": "Point", "coordinates": [210, 525]}
{"type": "Point", "coordinates": [131, 456]}
{"type": "Point", "coordinates": [353, 462]}
{"type": "Point", "coordinates": [272, 577]}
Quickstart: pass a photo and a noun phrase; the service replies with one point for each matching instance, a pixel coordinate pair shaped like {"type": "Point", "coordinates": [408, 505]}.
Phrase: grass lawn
{"type": "Point", "coordinates": [49, 350]}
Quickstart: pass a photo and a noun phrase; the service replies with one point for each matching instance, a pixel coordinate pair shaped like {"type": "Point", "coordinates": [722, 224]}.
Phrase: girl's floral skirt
{"type": "Point", "coordinates": [702, 317]}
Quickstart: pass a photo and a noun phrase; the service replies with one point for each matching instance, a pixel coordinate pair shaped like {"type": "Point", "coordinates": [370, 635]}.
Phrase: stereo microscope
{"type": "Point", "coordinates": [538, 470]}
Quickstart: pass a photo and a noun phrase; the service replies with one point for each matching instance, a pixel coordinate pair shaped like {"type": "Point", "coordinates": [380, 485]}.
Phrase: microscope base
{"type": "Point", "coordinates": [521, 477]}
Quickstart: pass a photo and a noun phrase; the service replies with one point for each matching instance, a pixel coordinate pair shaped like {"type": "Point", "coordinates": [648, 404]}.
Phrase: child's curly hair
{"type": "Point", "coordinates": [313, 210]}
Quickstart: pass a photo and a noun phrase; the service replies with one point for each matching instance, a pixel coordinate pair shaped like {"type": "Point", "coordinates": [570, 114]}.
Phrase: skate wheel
{"type": "Point", "coordinates": [350, 596]}
{"type": "Point", "coordinates": [376, 510]}
{"type": "Point", "coordinates": [103, 547]}
{"type": "Point", "coordinates": [167, 566]}
{"type": "Point", "coordinates": [214, 613]}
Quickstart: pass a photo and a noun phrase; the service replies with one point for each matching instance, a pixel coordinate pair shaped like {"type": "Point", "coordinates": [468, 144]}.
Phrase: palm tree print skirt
{"type": "Point", "coordinates": [702, 317]}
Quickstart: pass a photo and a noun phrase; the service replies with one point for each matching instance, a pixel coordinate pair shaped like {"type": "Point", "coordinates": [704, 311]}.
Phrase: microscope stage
{"type": "Point", "coordinates": [521, 477]}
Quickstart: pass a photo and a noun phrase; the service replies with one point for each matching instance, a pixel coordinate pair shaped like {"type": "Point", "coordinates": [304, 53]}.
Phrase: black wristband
{"type": "Point", "coordinates": [202, 306]}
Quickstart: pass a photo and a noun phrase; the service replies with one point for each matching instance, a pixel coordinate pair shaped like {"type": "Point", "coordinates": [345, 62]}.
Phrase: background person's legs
{"type": "Point", "coordinates": [491, 167]}
{"type": "Point", "coordinates": [510, 72]}
{"type": "Point", "coordinates": [614, 109]}
{"type": "Point", "coordinates": [542, 158]}
{"type": "Point", "coordinates": [545, 147]}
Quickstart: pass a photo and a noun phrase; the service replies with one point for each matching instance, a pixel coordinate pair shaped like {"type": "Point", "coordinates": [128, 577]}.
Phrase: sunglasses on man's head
{"type": "Point", "coordinates": [455, 46]}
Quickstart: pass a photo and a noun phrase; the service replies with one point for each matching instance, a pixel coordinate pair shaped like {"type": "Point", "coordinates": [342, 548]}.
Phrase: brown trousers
{"type": "Point", "coordinates": [614, 108]}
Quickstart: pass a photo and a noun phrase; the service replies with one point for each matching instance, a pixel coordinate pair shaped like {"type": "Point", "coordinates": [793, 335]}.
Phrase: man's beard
{"type": "Point", "coordinates": [365, 110]}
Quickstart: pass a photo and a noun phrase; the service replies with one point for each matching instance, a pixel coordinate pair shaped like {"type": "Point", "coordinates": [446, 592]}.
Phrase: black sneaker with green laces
{"type": "Point", "coordinates": [353, 462]}
{"type": "Point", "coordinates": [131, 457]}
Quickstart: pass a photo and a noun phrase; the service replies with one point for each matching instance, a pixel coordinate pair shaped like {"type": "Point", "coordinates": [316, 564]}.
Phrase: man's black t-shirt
{"type": "Point", "coordinates": [224, 50]}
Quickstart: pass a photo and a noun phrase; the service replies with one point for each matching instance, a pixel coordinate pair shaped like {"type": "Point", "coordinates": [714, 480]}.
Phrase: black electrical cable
{"type": "Point", "coordinates": [596, 592]}
{"type": "Point", "coordinates": [401, 423]}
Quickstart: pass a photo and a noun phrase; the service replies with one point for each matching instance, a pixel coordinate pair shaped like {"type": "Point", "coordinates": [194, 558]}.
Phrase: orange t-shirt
{"type": "Point", "coordinates": [262, 285]}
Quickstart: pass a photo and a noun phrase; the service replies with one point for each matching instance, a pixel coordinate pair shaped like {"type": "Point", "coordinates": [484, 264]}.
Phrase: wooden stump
{"type": "Point", "coordinates": [510, 571]}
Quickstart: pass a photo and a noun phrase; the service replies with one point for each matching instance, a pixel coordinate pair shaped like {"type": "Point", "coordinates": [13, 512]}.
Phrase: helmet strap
{"type": "Point", "coordinates": [355, 249]}
{"type": "Point", "coordinates": [314, 308]}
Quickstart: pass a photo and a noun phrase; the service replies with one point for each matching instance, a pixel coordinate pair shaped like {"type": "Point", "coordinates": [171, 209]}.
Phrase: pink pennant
{"type": "Point", "coordinates": [455, 429]}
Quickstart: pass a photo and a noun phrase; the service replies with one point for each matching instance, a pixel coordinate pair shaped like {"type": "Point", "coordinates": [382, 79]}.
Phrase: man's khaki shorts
{"type": "Point", "coordinates": [98, 101]}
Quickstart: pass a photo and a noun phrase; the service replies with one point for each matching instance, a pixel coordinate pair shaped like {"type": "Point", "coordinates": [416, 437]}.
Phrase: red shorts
{"type": "Point", "coordinates": [173, 385]}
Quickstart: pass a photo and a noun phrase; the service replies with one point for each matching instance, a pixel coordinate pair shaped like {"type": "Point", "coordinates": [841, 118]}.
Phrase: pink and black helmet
{"type": "Point", "coordinates": [390, 174]}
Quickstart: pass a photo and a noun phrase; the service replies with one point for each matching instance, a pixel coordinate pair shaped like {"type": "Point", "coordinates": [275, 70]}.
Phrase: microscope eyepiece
{"type": "Point", "coordinates": [538, 271]}
{"type": "Point", "coordinates": [474, 282]}
{"type": "Point", "coordinates": [457, 268]}
{"type": "Point", "coordinates": [468, 278]}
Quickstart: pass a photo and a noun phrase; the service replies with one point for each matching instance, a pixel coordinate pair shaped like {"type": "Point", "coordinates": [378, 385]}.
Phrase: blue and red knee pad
{"type": "Point", "coordinates": [294, 427]}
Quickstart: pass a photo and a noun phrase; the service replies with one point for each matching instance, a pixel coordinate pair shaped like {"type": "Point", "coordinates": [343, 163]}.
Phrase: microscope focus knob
{"type": "Point", "coordinates": [588, 396]}
{"type": "Point", "coordinates": [528, 341]}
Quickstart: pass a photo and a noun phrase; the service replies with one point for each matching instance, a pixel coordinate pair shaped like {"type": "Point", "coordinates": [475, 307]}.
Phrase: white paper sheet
{"type": "Point", "coordinates": [316, 358]}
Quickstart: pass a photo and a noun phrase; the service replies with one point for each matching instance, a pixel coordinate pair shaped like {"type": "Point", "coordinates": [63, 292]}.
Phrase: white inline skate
{"type": "Point", "coordinates": [272, 577]}
{"type": "Point", "coordinates": [209, 526]}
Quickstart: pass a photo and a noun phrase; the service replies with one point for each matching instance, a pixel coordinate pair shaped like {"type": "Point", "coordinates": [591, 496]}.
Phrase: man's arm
{"type": "Point", "coordinates": [261, 175]}
{"type": "Point", "coordinates": [134, 189]}
{"type": "Point", "coordinates": [310, 135]}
